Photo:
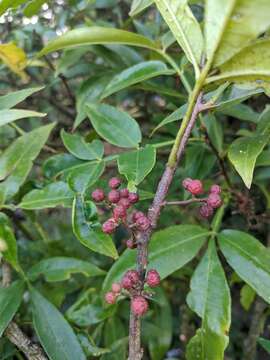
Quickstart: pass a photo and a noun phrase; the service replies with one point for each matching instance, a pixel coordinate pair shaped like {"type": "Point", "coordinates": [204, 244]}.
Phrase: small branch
{"type": "Point", "coordinates": [18, 338]}
{"type": "Point", "coordinates": [184, 202]}
{"type": "Point", "coordinates": [64, 81]}
{"type": "Point", "coordinates": [143, 238]}
{"type": "Point", "coordinates": [14, 333]}
{"type": "Point", "coordinates": [219, 158]}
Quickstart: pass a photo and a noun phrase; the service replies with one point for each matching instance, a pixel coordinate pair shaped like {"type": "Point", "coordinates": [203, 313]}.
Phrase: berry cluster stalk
{"type": "Point", "coordinates": [194, 108]}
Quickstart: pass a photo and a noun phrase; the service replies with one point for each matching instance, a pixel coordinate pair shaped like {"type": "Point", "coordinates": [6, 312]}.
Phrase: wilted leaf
{"type": "Point", "coordinates": [14, 57]}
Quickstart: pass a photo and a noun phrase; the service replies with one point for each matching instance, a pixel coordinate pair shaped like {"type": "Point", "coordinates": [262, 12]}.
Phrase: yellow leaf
{"type": "Point", "coordinates": [14, 57]}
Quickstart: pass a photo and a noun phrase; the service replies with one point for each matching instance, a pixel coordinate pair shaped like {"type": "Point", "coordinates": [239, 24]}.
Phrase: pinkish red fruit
{"type": "Point", "coordinates": [127, 282]}
{"type": "Point", "coordinates": [114, 183]}
{"type": "Point", "coordinates": [186, 182]}
{"type": "Point", "coordinates": [136, 215]}
{"type": "Point", "coordinates": [152, 278]}
{"type": "Point", "coordinates": [139, 305]}
{"type": "Point", "coordinates": [214, 200]}
{"type": "Point", "coordinates": [116, 288]}
{"type": "Point", "coordinates": [130, 243]}
{"type": "Point", "coordinates": [195, 187]}
{"type": "Point", "coordinates": [143, 223]}
{"type": "Point", "coordinates": [215, 189]}
{"type": "Point", "coordinates": [206, 211]}
{"type": "Point", "coordinates": [109, 226]}
{"type": "Point", "coordinates": [98, 195]}
{"type": "Point", "coordinates": [124, 202]}
{"type": "Point", "coordinates": [124, 193]}
{"type": "Point", "coordinates": [114, 196]}
{"type": "Point", "coordinates": [133, 198]}
{"type": "Point", "coordinates": [133, 275]}
{"type": "Point", "coordinates": [119, 212]}
{"type": "Point", "coordinates": [110, 297]}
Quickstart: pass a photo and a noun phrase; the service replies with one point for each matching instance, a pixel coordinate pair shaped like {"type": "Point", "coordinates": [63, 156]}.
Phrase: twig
{"type": "Point", "coordinates": [14, 333]}
{"type": "Point", "coordinates": [219, 158]}
{"type": "Point", "coordinates": [135, 350]}
{"type": "Point", "coordinates": [184, 202]}
{"type": "Point", "coordinates": [64, 81]}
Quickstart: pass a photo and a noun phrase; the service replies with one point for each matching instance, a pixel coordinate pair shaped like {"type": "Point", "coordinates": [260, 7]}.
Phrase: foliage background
{"type": "Point", "coordinates": [74, 77]}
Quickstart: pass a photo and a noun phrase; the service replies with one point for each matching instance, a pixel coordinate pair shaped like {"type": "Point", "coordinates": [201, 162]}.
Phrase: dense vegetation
{"type": "Point", "coordinates": [124, 125]}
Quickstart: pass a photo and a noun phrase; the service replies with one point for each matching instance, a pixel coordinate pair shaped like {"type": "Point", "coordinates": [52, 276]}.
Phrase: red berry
{"type": "Point", "coordinates": [109, 226]}
{"type": "Point", "coordinates": [136, 215]}
{"type": "Point", "coordinates": [214, 200]}
{"type": "Point", "coordinates": [215, 189]}
{"type": "Point", "coordinates": [206, 211]}
{"type": "Point", "coordinates": [98, 195]}
{"type": "Point", "coordinates": [124, 193]}
{"type": "Point", "coordinates": [195, 187]}
{"type": "Point", "coordinates": [186, 182]}
{"type": "Point", "coordinates": [127, 283]}
{"type": "Point", "coordinates": [133, 275]}
{"type": "Point", "coordinates": [110, 297]}
{"type": "Point", "coordinates": [114, 183]}
{"type": "Point", "coordinates": [133, 198]}
{"type": "Point", "coordinates": [143, 223]}
{"type": "Point", "coordinates": [119, 212]}
{"type": "Point", "coordinates": [114, 196]}
{"type": "Point", "coordinates": [152, 278]}
{"type": "Point", "coordinates": [130, 244]}
{"type": "Point", "coordinates": [139, 305]}
{"type": "Point", "coordinates": [124, 202]}
{"type": "Point", "coordinates": [116, 288]}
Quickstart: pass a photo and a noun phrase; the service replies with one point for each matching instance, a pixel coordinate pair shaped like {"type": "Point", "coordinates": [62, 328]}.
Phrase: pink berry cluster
{"type": "Point", "coordinates": [131, 283]}
{"type": "Point", "coordinates": [213, 201]}
{"type": "Point", "coordinates": [119, 201]}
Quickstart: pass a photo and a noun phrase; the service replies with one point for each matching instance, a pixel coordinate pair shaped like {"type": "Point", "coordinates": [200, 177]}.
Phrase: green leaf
{"type": "Point", "coordinates": [54, 332]}
{"type": "Point", "coordinates": [83, 176]}
{"type": "Point", "coordinates": [96, 35]}
{"type": "Point", "coordinates": [9, 100]}
{"type": "Point", "coordinates": [210, 299]}
{"type": "Point", "coordinates": [169, 250]}
{"type": "Point", "coordinates": [10, 4]}
{"type": "Point", "coordinates": [10, 300]}
{"type": "Point", "coordinates": [247, 296]}
{"type": "Point", "coordinates": [89, 92]}
{"type": "Point", "coordinates": [50, 196]}
{"type": "Point", "coordinates": [265, 344]}
{"type": "Point", "coordinates": [249, 259]}
{"type": "Point", "coordinates": [194, 347]}
{"type": "Point", "coordinates": [17, 160]}
{"type": "Point", "coordinates": [138, 6]}
{"type": "Point", "coordinates": [7, 116]}
{"type": "Point", "coordinates": [135, 74]}
{"type": "Point", "coordinates": [115, 126]}
{"type": "Point", "coordinates": [8, 242]}
{"type": "Point", "coordinates": [231, 25]}
{"type": "Point", "coordinates": [136, 165]}
{"type": "Point", "coordinates": [88, 232]}
{"type": "Point", "coordinates": [250, 64]}
{"type": "Point", "coordinates": [178, 114]}
{"type": "Point", "coordinates": [241, 112]}
{"type": "Point", "coordinates": [59, 164]}
{"type": "Point", "coordinates": [185, 28]}
{"type": "Point", "coordinates": [78, 147]}
{"type": "Point", "coordinates": [33, 7]}
{"type": "Point", "coordinates": [61, 268]}
{"type": "Point", "coordinates": [243, 154]}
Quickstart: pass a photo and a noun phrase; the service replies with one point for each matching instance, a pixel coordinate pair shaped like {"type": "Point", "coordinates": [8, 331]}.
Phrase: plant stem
{"type": "Point", "coordinates": [194, 108]}
{"type": "Point", "coordinates": [15, 335]}
{"type": "Point", "coordinates": [184, 202]}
